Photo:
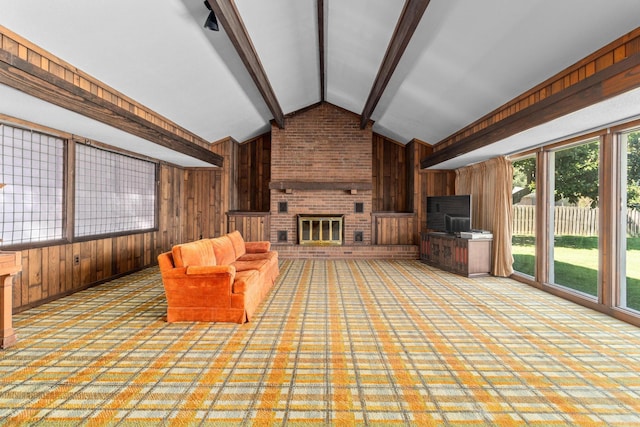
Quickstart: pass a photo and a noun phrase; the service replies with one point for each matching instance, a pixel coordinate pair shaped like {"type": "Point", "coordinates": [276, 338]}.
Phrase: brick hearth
{"type": "Point", "coordinates": [347, 252]}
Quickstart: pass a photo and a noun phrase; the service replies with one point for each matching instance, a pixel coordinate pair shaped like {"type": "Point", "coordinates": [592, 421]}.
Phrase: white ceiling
{"type": "Point", "coordinates": [466, 58]}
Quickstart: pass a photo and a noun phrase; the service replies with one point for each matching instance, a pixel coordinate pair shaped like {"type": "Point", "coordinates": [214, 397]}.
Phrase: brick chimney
{"type": "Point", "coordinates": [321, 164]}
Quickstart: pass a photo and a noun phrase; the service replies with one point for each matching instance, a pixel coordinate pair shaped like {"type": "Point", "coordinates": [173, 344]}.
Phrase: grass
{"type": "Point", "coordinates": [576, 264]}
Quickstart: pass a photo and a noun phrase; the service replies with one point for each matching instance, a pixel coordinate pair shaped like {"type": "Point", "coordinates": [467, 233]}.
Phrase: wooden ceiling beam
{"type": "Point", "coordinates": [321, 43]}
{"type": "Point", "coordinates": [33, 80]}
{"type": "Point", "coordinates": [229, 16]}
{"type": "Point", "coordinates": [405, 28]}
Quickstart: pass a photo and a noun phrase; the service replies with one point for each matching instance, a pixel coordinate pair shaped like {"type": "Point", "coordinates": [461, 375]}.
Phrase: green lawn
{"type": "Point", "coordinates": [576, 264]}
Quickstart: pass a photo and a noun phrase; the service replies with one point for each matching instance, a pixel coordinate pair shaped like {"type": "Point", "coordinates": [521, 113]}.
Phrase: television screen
{"type": "Point", "coordinates": [449, 214]}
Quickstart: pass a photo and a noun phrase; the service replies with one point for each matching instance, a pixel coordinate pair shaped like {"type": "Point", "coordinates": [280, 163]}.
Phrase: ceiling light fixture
{"type": "Point", "coordinates": [211, 22]}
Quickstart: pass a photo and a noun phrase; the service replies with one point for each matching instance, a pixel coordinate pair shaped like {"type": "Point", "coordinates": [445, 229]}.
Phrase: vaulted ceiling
{"type": "Point", "coordinates": [424, 73]}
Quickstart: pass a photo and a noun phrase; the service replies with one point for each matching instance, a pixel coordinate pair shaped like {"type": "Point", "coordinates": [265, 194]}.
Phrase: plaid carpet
{"type": "Point", "coordinates": [334, 343]}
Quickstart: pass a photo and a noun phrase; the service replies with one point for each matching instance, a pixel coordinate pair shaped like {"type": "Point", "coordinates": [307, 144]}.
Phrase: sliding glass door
{"type": "Point", "coordinates": [573, 251]}
{"type": "Point", "coordinates": [523, 241]}
{"type": "Point", "coordinates": [630, 224]}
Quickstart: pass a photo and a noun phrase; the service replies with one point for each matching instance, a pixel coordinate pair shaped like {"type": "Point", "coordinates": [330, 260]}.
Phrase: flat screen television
{"type": "Point", "coordinates": [449, 214]}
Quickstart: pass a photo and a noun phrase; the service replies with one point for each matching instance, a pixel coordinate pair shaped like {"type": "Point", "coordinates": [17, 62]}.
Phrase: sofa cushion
{"type": "Point", "coordinates": [223, 248]}
{"type": "Point", "coordinates": [258, 256]}
{"type": "Point", "coordinates": [250, 265]}
{"type": "Point", "coordinates": [238, 243]}
{"type": "Point", "coordinates": [199, 252]}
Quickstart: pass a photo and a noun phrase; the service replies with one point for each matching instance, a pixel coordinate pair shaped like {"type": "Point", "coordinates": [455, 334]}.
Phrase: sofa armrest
{"type": "Point", "coordinates": [209, 270]}
{"type": "Point", "coordinates": [257, 247]}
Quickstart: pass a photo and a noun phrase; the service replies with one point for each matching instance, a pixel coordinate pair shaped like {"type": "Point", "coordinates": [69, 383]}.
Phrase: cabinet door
{"type": "Point", "coordinates": [425, 247]}
{"type": "Point", "coordinates": [434, 250]}
{"type": "Point", "coordinates": [461, 256]}
{"type": "Point", "coordinates": [448, 253]}
{"type": "Point", "coordinates": [480, 257]}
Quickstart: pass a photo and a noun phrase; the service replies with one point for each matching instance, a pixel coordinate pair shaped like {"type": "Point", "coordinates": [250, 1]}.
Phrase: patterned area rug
{"type": "Point", "coordinates": [335, 343]}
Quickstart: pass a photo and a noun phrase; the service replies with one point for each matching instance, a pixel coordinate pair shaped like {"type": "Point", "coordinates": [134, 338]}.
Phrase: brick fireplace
{"type": "Point", "coordinates": [321, 165]}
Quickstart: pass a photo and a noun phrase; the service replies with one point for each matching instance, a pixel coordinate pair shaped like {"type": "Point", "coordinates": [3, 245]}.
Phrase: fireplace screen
{"type": "Point", "coordinates": [320, 230]}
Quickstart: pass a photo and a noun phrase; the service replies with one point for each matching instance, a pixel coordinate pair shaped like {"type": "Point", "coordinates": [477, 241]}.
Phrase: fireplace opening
{"type": "Point", "coordinates": [320, 229]}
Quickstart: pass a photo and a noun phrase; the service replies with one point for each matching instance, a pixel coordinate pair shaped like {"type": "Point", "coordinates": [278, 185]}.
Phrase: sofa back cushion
{"type": "Point", "coordinates": [238, 243]}
{"type": "Point", "coordinates": [199, 252]}
{"type": "Point", "coordinates": [223, 248]}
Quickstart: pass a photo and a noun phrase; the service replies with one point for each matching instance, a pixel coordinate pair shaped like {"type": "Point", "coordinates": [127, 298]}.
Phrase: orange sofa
{"type": "Point", "coordinates": [217, 280]}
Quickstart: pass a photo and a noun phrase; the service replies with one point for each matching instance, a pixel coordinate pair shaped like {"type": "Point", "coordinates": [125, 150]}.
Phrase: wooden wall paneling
{"type": "Point", "coordinates": [75, 267]}
{"type": "Point", "coordinates": [392, 228]}
{"type": "Point", "coordinates": [254, 174]}
{"type": "Point", "coordinates": [258, 173]}
{"type": "Point", "coordinates": [244, 175]}
{"type": "Point", "coordinates": [52, 270]}
{"type": "Point", "coordinates": [388, 161]}
{"type": "Point", "coordinates": [216, 224]}
{"type": "Point", "coordinates": [265, 174]}
{"type": "Point", "coordinates": [418, 183]}
{"type": "Point", "coordinates": [47, 285]}
{"type": "Point", "coordinates": [99, 270]}
{"type": "Point", "coordinates": [228, 201]}
{"type": "Point", "coordinates": [377, 177]}
{"type": "Point", "coordinates": [170, 207]}
{"type": "Point", "coordinates": [105, 266]}
{"type": "Point", "coordinates": [87, 262]}
{"type": "Point", "coordinates": [121, 254]}
{"type": "Point", "coordinates": [141, 249]}
{"type": "Point", "coordinates": [35, 275]}
{"type": "Point", "coordinates": [66, 267]}
{"type": "Point", "coordinates": [148, 249]}
{"type": "Point", "coordinates": [254, 226]}
{"type": "Point", "coordinates": [190, 219]}
{"type": "Point", "coordinates": [389, 172]}
{"type": "Point", "coordinates": [204, 204]}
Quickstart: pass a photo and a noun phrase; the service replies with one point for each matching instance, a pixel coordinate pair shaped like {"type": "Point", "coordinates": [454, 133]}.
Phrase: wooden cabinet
{"type": "Point", "coordinates": [468, 257]}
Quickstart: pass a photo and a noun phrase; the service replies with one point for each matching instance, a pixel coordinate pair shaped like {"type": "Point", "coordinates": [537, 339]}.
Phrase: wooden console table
{"type": "Point", "coordinates": [10, 265]}
{"type": "Point", "coordinates": [467, 257]}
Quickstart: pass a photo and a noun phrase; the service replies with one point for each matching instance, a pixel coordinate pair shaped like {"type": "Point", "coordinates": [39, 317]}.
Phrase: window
{"type": "Point", "coordinates": [630, 229]}
{"type": "Point", "coordinates": [523, 241]}
{"type": "Point", "coordinates": [573, 253]}
{"type": "Point", "coordinates": [114, 193]}
{"type": "Point", "coordinates": [32, 183]}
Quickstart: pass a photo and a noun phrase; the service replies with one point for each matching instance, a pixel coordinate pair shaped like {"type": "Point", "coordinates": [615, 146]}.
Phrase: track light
{"type": "Point", "coordinates": [211, 22]}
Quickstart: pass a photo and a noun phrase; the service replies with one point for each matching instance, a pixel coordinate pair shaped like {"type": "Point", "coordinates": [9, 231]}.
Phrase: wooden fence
{"type": "Point", "coordinates": [569, 221]}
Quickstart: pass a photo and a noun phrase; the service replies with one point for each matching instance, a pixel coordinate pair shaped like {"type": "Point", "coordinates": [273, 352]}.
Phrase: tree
{"type": "Point", "coordinates": [576, 173]}
{"type": "Point", "coordinates": [524, 176]}
{"type": "Point", "coordinates": [633, 170]}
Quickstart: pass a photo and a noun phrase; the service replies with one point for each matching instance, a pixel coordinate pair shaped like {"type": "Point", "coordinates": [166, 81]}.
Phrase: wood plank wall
{"type": "Point", "coordinates": [226, 194]}
{"type": "Point", "coordinates": [254, 174]}
{"type": "Point", "coordinates": [58, 270]}
{"type": "Point", "coordinates": [393, 228]}
{"type": "Point", "coordinates": [254, 226]}
{"type": "Point", "coordinates": [202, 210]}
{"type": "Point", "coordinates": [390, 191]}
{"type": "Point", "coordinates": [424, 183]}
